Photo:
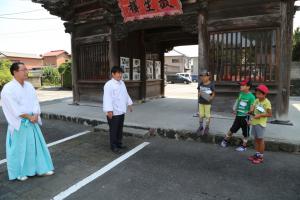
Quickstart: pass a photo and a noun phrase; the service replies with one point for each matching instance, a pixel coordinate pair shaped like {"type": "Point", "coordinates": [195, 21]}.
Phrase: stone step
{"type": "Point", "coordinates": [128, 131]}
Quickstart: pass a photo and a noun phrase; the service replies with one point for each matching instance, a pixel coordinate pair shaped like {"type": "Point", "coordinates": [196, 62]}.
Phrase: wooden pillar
{"type": "Point", "coordinates": [285, 56]}
{"type": "Point", "coordinates": [162, 72]}
{"type": "Point", "coordinates": [75, 90]}
{"type": "Point", "coordinates": [202, 41]}
{"type": "Point", "coordinates": [113, 53]}
{"type": "Point", "coordinates": [143, 88]}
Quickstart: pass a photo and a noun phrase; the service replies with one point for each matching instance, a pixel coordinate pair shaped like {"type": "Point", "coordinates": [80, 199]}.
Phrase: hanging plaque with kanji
{"type": "Point", "coordinates": [140, 9]}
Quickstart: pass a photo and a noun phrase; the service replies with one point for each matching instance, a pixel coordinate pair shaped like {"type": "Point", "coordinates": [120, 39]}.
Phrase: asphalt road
{"type": "Point", "coordinates": [165, 169]}
{"type": "Point", "coordinates": [53, 131]}
{"type": "Point", "coordinates": [182, 91]}
{"type": "Point", "coordinates": [168, 169]}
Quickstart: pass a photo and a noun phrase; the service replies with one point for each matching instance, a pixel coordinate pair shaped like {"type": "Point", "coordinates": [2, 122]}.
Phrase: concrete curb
{"type": "Point", "coordinates": [127, 131]}
{"type": "Point", "coordinates": [271, 144]}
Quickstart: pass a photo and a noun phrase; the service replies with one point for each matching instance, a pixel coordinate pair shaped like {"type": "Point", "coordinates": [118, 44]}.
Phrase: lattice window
{"type": "Point", "coordinates": [93, 62]}
{"type": "Point", "coordinates": [235, 56]}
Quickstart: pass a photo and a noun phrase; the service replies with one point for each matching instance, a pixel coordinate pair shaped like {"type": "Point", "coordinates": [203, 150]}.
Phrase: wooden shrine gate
{"type": "Point", "coordinates": [246, 39]}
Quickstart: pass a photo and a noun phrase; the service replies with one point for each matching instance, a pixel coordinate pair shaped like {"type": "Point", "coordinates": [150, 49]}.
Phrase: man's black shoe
{"type": "Point", "coordinates": [123, 147]}
{"type": "Point", "coordinates": [116, 150]}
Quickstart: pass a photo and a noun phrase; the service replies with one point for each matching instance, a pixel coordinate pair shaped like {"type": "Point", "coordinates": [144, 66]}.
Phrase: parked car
{"type": "Point", "coordinates": [177, 79]}
{"type": "Point", "coordinates": [194, 78]}
{"type": "Point", "coordinates": [186, 75]}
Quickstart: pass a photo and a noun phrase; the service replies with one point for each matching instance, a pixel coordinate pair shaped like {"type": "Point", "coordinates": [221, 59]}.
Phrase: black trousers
{"type": "Point", "coordinates": [116, 130]}
{"type": "Point", "coordinates": [241, 122]}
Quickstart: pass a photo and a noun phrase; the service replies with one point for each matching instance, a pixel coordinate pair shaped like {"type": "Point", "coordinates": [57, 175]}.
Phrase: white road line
{"type": "Point", "coordinates": [98, 173]}
{"type": "Point", "coordinates": [57, 142]}
{"type": "Point", "coordinates": [67, 138]}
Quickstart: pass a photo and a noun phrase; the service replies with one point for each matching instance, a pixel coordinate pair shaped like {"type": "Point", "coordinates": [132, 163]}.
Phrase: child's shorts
{"type": "Point", "coordinates": [241, 122]}
{"type": "Point", "coordinates": [258, 131]}
{"type": "Point", "coordinates": [204, 110]}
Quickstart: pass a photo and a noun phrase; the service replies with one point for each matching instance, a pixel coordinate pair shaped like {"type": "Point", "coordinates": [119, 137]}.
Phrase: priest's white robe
{"type": "Point", "coordinates": [26, 151]}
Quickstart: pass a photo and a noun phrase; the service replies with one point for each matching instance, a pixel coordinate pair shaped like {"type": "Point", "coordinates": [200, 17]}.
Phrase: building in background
{"type": "Point", "coordinates": [176, 62]}
{"type": "Point", "coordinates": [31, 61]}
{"type": "Point", "coordinates": [35, 63]}
{"type": "Point", "coordinates": [194, 68]}
{"type": "Point", "coordinates": [194, 65]}
{"type": "Point", "coordinates": [56, 58]}
{"type": "Point", "coordinates": [295, 78]}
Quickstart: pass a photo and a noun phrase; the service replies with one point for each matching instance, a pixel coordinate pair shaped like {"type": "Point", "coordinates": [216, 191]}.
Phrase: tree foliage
{"type": "Point", "coordinates": [65, 70]}
{"type": "Point", "coordinates": [50, 76]}
{"type": "Point", "coordinates": [296, 45]}
{"type": "Point", "coordinates": [5, 75]}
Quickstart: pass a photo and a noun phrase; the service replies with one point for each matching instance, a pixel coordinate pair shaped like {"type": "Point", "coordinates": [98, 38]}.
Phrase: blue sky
{"type": "Point", "coordinates": [40, 36]}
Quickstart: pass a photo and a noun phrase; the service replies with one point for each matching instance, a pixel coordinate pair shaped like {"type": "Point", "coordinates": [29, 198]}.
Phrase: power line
{"type": "Point", "coordinates": [26, 18]}
{"type": "Point", "coordinates": [20, 12]}
{"type": "Point", "coordinates": [24, 32]}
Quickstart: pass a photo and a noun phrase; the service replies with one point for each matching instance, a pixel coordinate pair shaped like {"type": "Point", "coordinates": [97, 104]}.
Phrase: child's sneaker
{"type": "Point", "coordinates": [257, 160]}
{"type": "Point", "coordinates": [224, 143]}
{"type": "Point", "coordinates": [206, 131]}
{"type": "Point", "coordinates": [241, 149]}
{"type": "Point", "coordinates": [251, 158]}
{"type": "Point", "coordinates": [199, 130]}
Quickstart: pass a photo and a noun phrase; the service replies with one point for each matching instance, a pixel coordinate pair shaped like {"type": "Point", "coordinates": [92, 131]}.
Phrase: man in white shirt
{"type": "Point", "coordinates": [115, 103]}
{"type": "Point", "coordinates": [26, 151]}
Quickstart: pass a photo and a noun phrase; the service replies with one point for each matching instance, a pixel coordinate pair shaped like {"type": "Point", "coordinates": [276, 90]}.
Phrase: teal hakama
{"type": "Point", "coordinates": [26, 152]}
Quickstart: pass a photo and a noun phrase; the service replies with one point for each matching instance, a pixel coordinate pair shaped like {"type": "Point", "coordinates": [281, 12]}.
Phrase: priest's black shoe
{"type": "Point", "coordinates": [116, 150]}
{"type": "Point", "coordinates": [123, 147]}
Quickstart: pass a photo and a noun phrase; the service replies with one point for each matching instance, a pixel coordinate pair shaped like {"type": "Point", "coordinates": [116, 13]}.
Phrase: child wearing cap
{"type": "Point", "coordinates": [261, 109]}
{"type": "Point", "coordinates": [206, 93]}
{"type": "Point", "coordinates": [241, 109]}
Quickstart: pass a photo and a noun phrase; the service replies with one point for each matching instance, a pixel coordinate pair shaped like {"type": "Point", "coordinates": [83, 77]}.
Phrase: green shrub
{"type": "Point", "coordinates": [296, 45]}
{"type": "Point", "coordinates": [296, 52]}
{"type": "Point", "coordinates": [5, 75]}
{"type": "Point", "coordinates": [65, 70]}
{"type": "Point", "coordinates": [50, 77]}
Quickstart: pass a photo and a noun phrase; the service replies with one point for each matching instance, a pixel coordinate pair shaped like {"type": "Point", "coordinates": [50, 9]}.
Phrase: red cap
{"type": "Point", "coordinates": [246, 82]}
{"type": "Point", "coordinates": [263, 88]}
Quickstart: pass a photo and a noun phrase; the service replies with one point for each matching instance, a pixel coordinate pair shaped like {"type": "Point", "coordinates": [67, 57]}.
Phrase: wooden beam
{"type": "Point", "coordinates": [202, 41]}
{"type": "Point", "coordinates": [113, 50]}
{"type": "Point", "coordinates": [76, 97]}
{"type": "Point", "coordinates": [162, 72]}
{"type": "Point", "coordinates": [143, 88]}
{"type": "Point", "coordinates": [170, 36]}
{"type": "Point", "coordinates": [259, 21]}
{"type": "Point", "coordinates": [286, 28]}
{"type": "Point", "coordinates": [180, 43]}
{"type": "Point", "coordinates": [221, 4]}
{"type": "Point", "coordinates": [242, 10]}
{"type": "Point", "coordinates": [92, 38]}
{"type": "Point", "coordinates": [174, 39]}
{"type": "Point", "coordinates": [165, 22]}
